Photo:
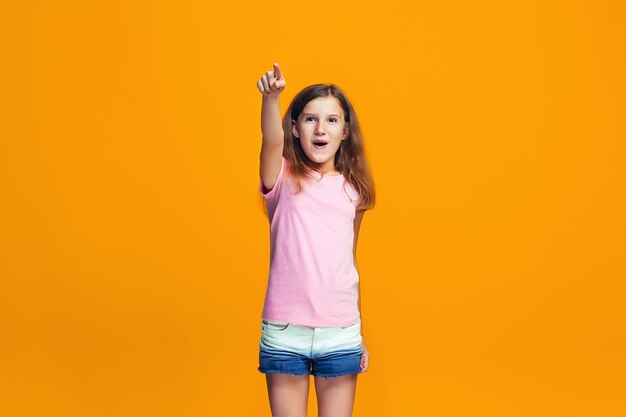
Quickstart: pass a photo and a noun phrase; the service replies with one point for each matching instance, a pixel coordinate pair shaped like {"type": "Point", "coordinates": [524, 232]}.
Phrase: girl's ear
{"type": "Point", "coordinates": [294, 131]}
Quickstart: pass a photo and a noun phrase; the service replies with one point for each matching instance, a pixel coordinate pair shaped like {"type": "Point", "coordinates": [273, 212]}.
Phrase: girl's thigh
{"type": "Point", "coordinates": [335, 396]}
{"type": "Point", "coordinates": [288, 394]}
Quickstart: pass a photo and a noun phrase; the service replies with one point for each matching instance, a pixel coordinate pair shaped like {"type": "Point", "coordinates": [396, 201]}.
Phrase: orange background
{"type": "Point", "coordinates": [134, 248]}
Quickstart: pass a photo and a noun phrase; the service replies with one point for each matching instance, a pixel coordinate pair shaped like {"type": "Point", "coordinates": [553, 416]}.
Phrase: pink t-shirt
{"type": "Point", "coordinates": [312, 279]}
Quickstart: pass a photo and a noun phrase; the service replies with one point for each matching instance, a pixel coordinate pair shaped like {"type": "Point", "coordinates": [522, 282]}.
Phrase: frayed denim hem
{"type": "Point", "coordinates": [280, 371]}
{"type": "Point", "coordinates": [337, 374]}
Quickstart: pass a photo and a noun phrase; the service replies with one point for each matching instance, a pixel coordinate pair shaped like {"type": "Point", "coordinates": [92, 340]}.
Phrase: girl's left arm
{"type": "Point", "coordinates": [357, 225]}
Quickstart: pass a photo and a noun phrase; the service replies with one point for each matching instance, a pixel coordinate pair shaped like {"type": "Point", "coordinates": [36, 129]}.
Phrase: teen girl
{"type": "Point", "coordinates": [317, 185]}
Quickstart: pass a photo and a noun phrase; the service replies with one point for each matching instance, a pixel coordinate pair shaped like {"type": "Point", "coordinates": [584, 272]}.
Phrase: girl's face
{"type": "Point", "coordinates": [321, 120]}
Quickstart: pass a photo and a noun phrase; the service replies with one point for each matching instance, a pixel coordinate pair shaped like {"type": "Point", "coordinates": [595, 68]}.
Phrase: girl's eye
{"type": "Point", "coordinates": [333, 119]}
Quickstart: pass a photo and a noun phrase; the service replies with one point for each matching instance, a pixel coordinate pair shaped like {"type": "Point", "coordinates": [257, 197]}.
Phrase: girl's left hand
{"type": "Point", "coordinates": [365, 358]}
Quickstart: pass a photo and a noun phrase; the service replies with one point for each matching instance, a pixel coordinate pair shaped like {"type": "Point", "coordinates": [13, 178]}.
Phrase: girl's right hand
{"type": "Point", "coordinates": [272, 83]}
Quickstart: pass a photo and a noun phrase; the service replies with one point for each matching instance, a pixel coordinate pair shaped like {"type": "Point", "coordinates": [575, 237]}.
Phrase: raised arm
{"type": "Point", "coordinates": [271, 84]}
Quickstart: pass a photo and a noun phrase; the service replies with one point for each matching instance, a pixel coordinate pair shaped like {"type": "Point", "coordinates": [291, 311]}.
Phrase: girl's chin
{"type": "Point", "coordinates": [318, 158]}
{"type": "Point", "coordinates": [319, 153]}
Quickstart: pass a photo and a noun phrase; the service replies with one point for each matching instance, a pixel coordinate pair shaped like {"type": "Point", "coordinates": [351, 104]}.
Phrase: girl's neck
{"type": "Point", "coordinates": [328, 169]}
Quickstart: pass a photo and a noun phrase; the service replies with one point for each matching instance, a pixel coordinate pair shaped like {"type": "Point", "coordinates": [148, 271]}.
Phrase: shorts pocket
{"type": "Point", "coordinates": [274, 325]}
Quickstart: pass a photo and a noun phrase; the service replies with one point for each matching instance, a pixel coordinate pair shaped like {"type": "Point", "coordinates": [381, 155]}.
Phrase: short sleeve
{"type": "Point", "coordinates": [273, 193]}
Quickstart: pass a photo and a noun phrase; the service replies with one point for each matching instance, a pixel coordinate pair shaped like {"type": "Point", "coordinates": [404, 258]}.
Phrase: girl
{"type": "Point", "coordinates": [317, 185]}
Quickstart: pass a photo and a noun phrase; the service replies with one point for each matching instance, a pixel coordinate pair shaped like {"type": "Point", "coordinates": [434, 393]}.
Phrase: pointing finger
{"type": "Point", "coordinates": [277, 72]}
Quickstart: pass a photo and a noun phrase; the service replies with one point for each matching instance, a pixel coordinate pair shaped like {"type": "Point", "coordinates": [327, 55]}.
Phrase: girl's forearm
{"type": "Point", "coordinates": [359, 302]}
{"type": "Point", "coordinates": [271, 123]}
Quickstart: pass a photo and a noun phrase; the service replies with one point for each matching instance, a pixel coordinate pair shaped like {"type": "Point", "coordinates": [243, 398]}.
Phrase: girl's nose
{"type": "Point", "coordinates": [318, 129]}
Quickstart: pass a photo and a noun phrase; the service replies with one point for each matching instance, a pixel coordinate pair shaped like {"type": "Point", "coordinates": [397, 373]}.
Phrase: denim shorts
{"type": "Point", "coordinates": [302, 350]}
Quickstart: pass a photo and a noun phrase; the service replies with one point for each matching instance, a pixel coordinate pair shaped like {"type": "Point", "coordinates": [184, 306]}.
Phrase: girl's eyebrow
{"type": "Point", "coordinates": [312, 114]}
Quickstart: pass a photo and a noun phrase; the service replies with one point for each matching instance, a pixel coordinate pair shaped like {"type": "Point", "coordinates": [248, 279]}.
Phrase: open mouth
{"type": "Point", "coordinates": [320, 144]}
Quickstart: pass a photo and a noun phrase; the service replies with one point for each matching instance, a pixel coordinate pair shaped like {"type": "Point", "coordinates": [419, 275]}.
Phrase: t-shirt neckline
{"type": "Point", "coordinates": [319, 175]}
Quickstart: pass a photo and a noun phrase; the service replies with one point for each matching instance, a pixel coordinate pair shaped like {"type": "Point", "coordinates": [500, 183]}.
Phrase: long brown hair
{"type": "Point", "coordinates": [350, 158]}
